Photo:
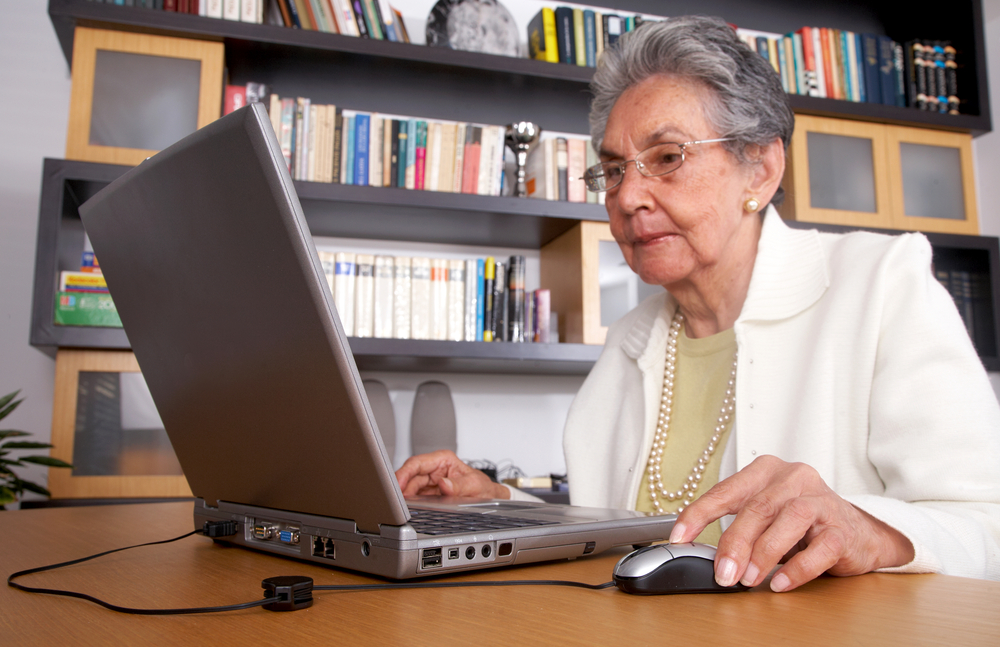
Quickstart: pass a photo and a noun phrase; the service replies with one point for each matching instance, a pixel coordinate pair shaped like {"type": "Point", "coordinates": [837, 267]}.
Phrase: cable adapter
{"type": "Point", "coordinates": [295, 592]}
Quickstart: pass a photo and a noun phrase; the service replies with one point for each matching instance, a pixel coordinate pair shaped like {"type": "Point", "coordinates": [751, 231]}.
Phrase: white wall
{"type": "Point", "coordinates": [506, 417]}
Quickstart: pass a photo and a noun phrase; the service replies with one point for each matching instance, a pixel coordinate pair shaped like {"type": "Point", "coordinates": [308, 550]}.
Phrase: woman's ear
{"type": "Point", "coordinates": [768, 171]}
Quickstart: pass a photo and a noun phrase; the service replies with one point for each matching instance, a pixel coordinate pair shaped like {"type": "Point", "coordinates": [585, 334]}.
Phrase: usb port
{"type": "Point", "coordinates": [431, 558]}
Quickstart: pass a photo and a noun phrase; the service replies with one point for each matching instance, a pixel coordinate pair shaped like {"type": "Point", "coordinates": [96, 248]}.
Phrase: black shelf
{"type": "Point", "coordinates": [553, 95]}
{"type": "Point", "coordinates": [334, 210]}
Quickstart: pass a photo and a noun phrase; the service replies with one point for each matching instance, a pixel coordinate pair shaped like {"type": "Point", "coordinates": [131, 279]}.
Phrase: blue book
{"type": "Point", "coordinates": [873, 84]}
{"type": "Point", "coordinates": [411, 153]}
{"type": "Point", "coordinates": [886, 70]}
{"type": "Point", "coordinates": [564, 35]}
{"type": "Point", "coordinates": [362, 126]}
{"type": "Point", "coordinates": [404, 145]}
{"type": "Point", "coordinates": [783, 68]}
{"type": "Point", "coordinates": [349, 129]}
{"type": "Point", "coordinates": [480, 297]}
{"type": "Point", "coordinates": [845, 56]}
{"type": "Point", "coordinates": [860, 68]}
{"type": "Point", "coordinates": [590, 36]}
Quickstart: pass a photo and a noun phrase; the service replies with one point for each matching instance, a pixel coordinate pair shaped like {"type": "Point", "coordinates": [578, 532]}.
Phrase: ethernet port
{"type": "Point", "coordinates": [329, 549]}
{"type": "Point", "coordinates": [319, 547]}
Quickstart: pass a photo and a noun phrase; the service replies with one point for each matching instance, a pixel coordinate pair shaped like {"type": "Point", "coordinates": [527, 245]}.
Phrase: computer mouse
{"type": "Point", "coordinates": [670, 568]}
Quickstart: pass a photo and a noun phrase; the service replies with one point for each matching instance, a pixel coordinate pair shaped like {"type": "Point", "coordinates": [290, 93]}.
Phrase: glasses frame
{"type": "Point", "coordinates": [588, 176]}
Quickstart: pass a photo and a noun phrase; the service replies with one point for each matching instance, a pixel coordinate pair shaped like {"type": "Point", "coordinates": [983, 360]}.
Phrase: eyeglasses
{"type": "Point", "coordinates": [655, 160]}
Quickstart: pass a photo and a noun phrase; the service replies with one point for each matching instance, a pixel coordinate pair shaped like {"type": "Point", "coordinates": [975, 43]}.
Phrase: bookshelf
{"type": "Point", "coordinates": [545, 93]}
{"type": "Point", "coordinates": [388, 77]}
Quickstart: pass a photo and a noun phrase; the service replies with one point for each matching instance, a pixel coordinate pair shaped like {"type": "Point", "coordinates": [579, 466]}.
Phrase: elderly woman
{"type": "Point", "coordinates": [817, 393]}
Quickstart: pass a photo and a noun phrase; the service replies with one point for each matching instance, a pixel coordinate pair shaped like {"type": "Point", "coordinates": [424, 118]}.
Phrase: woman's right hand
{"type": "Point", "coordinates": [442, 473]}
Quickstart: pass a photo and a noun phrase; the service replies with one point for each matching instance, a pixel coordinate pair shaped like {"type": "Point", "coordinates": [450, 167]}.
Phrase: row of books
{"type": "Point", "coordinates": [972, 295]}
{"type": "Point", "coordinates": [324, 143]}
{"type": "Point", "coordinates": [864, 68]}
{"type": "Point", "coordinates": [575, 35]}
{"type": "Point", "coordinates": [365, 18]}
{"type": "Point", "coordinates": [83, 299]}
{"type": "Point", "coordinates": [479, 299]}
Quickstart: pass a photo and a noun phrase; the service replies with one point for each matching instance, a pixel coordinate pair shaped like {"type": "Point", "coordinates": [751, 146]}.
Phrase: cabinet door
{"type": "Point", "coordinates": [931, 176]}
{"type": "Point", "coordinates": [837, 174]}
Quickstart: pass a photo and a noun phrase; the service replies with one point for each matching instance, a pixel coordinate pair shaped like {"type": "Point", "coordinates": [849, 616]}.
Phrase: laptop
{"type": "Point", "coordinates": [209, 259]}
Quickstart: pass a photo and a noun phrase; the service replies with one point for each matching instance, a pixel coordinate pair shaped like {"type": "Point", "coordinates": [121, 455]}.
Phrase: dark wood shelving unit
{"type": "Point", "coordinates": [270, 54]}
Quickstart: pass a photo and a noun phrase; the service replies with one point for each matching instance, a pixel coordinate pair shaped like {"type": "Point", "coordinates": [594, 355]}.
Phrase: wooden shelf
{"type": "Point", "coordinates": [438, 217]}
{"type": "Point", "coordinates": [260, 45]}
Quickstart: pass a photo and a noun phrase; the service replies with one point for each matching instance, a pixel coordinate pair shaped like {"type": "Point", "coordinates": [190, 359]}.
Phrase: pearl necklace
{"type": "Point", "coordinates": [686, 494]}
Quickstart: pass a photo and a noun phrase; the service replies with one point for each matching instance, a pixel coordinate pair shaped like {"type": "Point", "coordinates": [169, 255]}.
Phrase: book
{"type": "Point", "coordinates": [311, 137]}
{"type": "Point", "coordinates": [543, 315]}
{"type": "Point", "coordinates": [439, 299]}
{"type": "Point", "coordinates": [887, 67]}
{"type": "Point", "coordinates": [499, 324]}
{"type": "Point", "coordinates": [432, 159]}
{"type": "Point", "coordinates": [542, 42]}
{"type": "Point", "coordinates": [480, 297]}
{"type": "Point", "coordinates": [869, 54]}
{"type": "Point", "coordinates": [515, 299]}
{"type": "Point", "coordinates": [461, 131]}
{"type": "Point", "coordinates": [338, 140]}
{"type": "Point", "coordinates": [82, 282]}
{"type": "Point", "coordinates": [235, 98]}
{"type": "Point", "coordinates": [384, 297]}
{"type": "Point", "coordinates": [562, 166]}
{"type": "Point", "coordinates": [401, 294]}
{"type": "Point", "coordinates": [85, 309]}
{"type": "Point", "coordinates": [411, 153]}
{"type": "Point", "coordinates": [471, 306]}
{"type": "Point", "coordinates": [489, 273]}
{"type": "Point", "coordinates": [579, 38]}
{"type": "Point", "coordinates": [590, 38]}
{"type": "Point", "coordinates": [375, 145]}
{"type": "Point", "coordinates": [213, 9]}
{"type": "Point", "coordinates": [362, 132]}
{"type": "Point", "coordinates": [348, 154]}
{"type": "Point", "coordinates": [529, 317]}
{"type": "Point", "coordinates": [364, 296]}
{"type": "Point", "coordinates": [565, 35]}
{"type": "Point", "coordinates": [951, 79]}
{"type": "Point", "coordinates": [343, 289]}
{"type": "Point", "coordinates": [359, 16]}
{"type": "Point", "coordinates": [448, 139]}
{"type": "Point", "coordinates": [230, 9]}
{"type": "Point", "coordinates": [402, 137]}
{"type": "Point", "coordinates": [487, 160]}
{"type": "Point", "coordinates": [456, 300]}
{"type": "Point", "coordinates": [613, 29]}
{"type": "Point", "coordinates": [420, 298]}
{"type": "Point", "coordinates": [473, 145]}
{"type": "Point", "coordinates": [420, 157]}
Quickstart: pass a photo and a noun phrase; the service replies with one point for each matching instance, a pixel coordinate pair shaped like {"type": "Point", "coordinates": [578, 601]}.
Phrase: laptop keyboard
{"type": "Point", "coordinates": [445, 522]}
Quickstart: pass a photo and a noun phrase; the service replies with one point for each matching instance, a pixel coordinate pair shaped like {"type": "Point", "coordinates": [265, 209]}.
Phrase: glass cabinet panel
{"type": "Point", "coordinates": [841, 172]}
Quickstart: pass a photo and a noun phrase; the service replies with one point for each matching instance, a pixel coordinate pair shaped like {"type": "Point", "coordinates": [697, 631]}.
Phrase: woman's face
{"type": "Point", "coordinates": [673, 227]}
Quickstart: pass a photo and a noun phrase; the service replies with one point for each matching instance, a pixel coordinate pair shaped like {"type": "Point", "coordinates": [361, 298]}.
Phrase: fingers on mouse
{"type": "Point", "coordinates": [670, 568]}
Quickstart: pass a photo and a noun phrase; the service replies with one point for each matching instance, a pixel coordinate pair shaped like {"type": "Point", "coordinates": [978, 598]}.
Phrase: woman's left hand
{"type": "Point", "coordinates": [785, 511]}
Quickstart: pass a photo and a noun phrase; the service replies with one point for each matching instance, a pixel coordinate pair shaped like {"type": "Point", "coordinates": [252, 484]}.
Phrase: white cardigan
{"type": "Point", "coordinates": [852, 359]}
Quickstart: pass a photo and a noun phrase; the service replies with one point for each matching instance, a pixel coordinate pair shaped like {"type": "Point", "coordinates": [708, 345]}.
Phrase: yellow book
{"type": "Point", "coordinates": [580, 38]}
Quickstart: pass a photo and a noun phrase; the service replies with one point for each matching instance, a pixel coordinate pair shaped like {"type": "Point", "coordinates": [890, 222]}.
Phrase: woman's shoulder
{"type": "Point", "coordinates": [876, 249]}
{"type": "Point", "coordinates": [636, 325]}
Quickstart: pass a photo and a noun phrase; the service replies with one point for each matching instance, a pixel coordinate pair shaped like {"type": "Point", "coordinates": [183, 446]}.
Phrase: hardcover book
{"type": "Point", "coordinates": [439, 299]}
{"type": "Point", "coordinates": [384, 297]}
{"type": "Point", "coordinates": [401, 294]}
{"type": "Point", "coordinates": [542, 42]}
{"type": "Point", "coordinates": [456, 300]}
{"type": "Point", "coordinates": [343, 290]}
{"type": "Point", "coordinates": [565, 35]}
{"type": "Point", "coordinates": [364, 297]}
{"type": "Point", "coordinates": [489, 273]}
{"type": "Point", "coordinates": [420, 301]}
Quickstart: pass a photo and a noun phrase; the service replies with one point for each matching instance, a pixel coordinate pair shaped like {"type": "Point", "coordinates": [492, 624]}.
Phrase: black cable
{"type": "Point", "coordinates": [447, 585]}
{"type": "Point", "coordinates": [294, 592]}
{"type": "Point", "coordinates": [113, 607]}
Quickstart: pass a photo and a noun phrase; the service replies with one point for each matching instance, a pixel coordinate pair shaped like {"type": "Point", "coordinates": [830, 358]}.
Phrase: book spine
{"type": "Point", "coordinates": [529, 317]}
{"type": "Point", "coordinates": [471, 301]}
{"type": "Point", "coordinates": [489, 274]}
{"type": "Point", "coordinates": [230, 9]}
{"type": "Point", "coordinates": [500, 303]}
{"type": "Point", "coordinates": [432, 162]}
{"type": "Point", "coordinates": [543, 315]}
{"type": "Point", "coordinates": [293, 12]}
{"type": "Point", "coordinates": [564, 35]}
{"type": "Point", "coordinates": [575, 166]}
{"type": "Point", "coordinates": [439, 299]}
{"type": "Point", "coordinates": [383, 301]}
{"type": "Point", "coordinates": [940, 77]}
{"type": "Point", "coordinates": [343, 290]}
{"type": "Point", "coordinates": [350, 128]}
{"type": "Point", "coordinates": [820, 57]}
{"type": "Point", "coordinates": [235, 98]}
{"type": "Point", "coordinates": [590, 38]}
{"type": "Point", "coordinates": [951, 79]}
{"type": "Point", "coordinates": [249, 10]}
{"type": "Point", "coordinates": [456, 300]}
{"type": "Point", "coordinates": [515, 299]}
{"type": "Point", "coordinates": [887, 85]}
{"type": "Point", "coordinates": [562, 163]}
{"type": "Point", "coordinates": [401, 291]}
{"type": "Point", "coordinates": [311, 147]}
{"type": "Point", "coordinates": [613, 29]}
{"type": "Point", "coordinates": [364, 302]}
{"type": "Point", "coordinates": [420, 159]}
{"type": "Point", "coordinates": [873, 87]}
{"type": "Point", "coordinates": [579, 39]}
{"type": "Point", "coordinates": [359, 18]}
{"type": "Point", "coordinates": [420, 302]}
{"type": "Point", "coordinates": [487, 152]}
{"type": "Point", "coordinates": [328, 261]}
{"type": "Point", "coordinates": [403, 140]}
{"type": "Point", "coordinates": [213, 9]}
{"type": "Point", "coordinates": [480, 298]}
{"type": "Point", "coordinates": [389, 148]}
{"type": "Point", "coordinates": [338, 140]}
{"type": "Point", "coordinates": [536, 37]}
{"type": "Point", "coordinates": [375, 144]}
{"type": "Point", "coordinates": [362, 131]}
{"type": "Point", "coordinates": [411, 153]}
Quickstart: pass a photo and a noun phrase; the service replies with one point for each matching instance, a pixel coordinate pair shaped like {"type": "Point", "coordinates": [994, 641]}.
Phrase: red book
{"type": "Point", "coordinates": [809, 60]}
{"type": "Point", "coordinates": [183, 6]}
{"type": "Point", "coordinates": [194, 7]}
{"type": "Point", "coordinates": [170, 5]}
{"type": "Point", "coordinates": [470, 165]}
{"type": "Point", "coordinates": [236, 98]}
{"type": "Point", "coordinates": [824, 39]}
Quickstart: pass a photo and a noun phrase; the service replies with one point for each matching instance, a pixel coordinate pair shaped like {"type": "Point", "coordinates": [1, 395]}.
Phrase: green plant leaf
{"type": "Point", "coordinates": [34, 487]}
{"type": "Point", "coordinates": [45, 460]}
{"type": "Point", "coordinates": [7, 398]}
{"type": "Point", "coordinates": [24, 444]}
{"type": "Point", "coordinates": [7, 495]}
{"type": "Point", "coordinates": [12, 433]}
{"type": "Point", "coordinates": [12, 461]}
{"type": "Point", "coordinates": [7, 409]}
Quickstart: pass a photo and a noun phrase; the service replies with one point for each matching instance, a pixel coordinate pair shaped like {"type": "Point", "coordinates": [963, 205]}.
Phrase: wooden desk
{"type": "Point", "coordinates": [869, 610]}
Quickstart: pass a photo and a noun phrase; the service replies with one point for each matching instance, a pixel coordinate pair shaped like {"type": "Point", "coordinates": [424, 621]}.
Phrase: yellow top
{"type": "Point", "coordinates": [703, 368]}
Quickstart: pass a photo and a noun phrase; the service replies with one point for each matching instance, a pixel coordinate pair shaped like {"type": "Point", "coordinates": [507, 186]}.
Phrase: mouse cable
{"type": "Point", "coordinates": [285, 593]}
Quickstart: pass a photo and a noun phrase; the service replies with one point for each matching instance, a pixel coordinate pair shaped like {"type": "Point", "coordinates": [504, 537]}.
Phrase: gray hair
{"type": "Point", "coordinates": [746, 101]}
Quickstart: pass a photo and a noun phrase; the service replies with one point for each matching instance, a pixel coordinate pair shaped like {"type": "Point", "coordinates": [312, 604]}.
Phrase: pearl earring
{"type": "Point", "coordinates": [751, 205]}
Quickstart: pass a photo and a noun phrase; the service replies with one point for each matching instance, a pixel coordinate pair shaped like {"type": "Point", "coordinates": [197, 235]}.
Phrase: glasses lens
{"type": "Point", "coordinates": [660, 159]}
{"type": "Point", "coordinates": [602, 176]}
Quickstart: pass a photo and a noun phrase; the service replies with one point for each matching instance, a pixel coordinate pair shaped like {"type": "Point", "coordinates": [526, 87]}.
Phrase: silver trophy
{"type": "Point", "coordinates": [520, 137]}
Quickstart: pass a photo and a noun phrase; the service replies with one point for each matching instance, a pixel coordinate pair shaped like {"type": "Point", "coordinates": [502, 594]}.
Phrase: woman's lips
{"type": "Point", "coordinates": [654, 238]}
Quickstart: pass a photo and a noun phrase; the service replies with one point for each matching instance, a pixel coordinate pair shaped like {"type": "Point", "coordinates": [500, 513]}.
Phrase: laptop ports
{"type": "Point", "coordinates": [430, 558]}
{"type": "Point", "coordinates": [324, 547]}
{"type": "Point", "coordinates": [264, 531]}
{"type": "Point", "coordinates": [289, 536]}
